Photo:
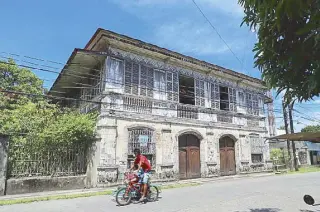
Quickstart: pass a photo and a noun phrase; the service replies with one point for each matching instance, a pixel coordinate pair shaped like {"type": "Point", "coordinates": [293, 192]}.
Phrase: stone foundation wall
{"type": "Point", "coordinates": [40, 184]}
{"type": "Point", "coordinates": [113, 147]}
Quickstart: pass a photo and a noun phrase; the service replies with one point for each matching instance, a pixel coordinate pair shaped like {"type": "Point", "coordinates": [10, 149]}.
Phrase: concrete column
{"type": "Point", "coordinates": [93, 162]}
{"type": "Point", "coordinates": [167, 146]}
{"type": "Point", "coordinates": [3, 163]}
{"type": "Point", "coordinates": [107, 167]}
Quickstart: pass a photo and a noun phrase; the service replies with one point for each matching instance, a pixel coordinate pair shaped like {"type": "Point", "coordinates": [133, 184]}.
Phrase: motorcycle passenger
{"type": "Point", "coordinates": [139, 173]}
{"type": "Point", "coordinates": [145, 167]}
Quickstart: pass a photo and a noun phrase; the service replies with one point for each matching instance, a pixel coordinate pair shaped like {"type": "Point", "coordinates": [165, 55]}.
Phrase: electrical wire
{"type": "Point", "coordinates": [97, 78]}
{"type": "Point", "coordinates": [214, 28]}
{"type": "Point", "coordinates": [193, 108]}
{"type": "Point", "coordinates": [113, 81]}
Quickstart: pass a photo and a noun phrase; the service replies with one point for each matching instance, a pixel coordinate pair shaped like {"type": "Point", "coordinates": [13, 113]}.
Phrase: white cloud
{"type": "Point", "coordinates": [192, 34]}
{"type": "Point", "coordinates": [227, 6]}
{"type": "Point", "coordinates": [188, 37]}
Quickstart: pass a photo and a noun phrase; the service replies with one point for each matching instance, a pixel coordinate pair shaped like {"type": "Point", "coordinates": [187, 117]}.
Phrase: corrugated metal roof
{"type": "Point", "coordinates": [308, 136]}
{"type": "Point", "coordinates": [313, 146]}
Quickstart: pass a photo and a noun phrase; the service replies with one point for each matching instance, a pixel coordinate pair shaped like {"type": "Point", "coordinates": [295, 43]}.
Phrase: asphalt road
{"type": "Point", "coordinates": [265, 194]}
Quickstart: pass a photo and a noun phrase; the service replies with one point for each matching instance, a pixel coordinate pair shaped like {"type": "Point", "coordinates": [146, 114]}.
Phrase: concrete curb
{"type": "Point", "coordinates": [95, 190]}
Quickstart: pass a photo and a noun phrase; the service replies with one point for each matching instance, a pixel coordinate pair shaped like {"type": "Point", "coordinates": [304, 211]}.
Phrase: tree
{"type": "Point", "coordinates": [287, 51]}
{"type": "Point", "coordinates": [311, 128]}
{"type": "Point", "coordinates": [279, 156]}
{"type": "Point", "coordinates": [17, 79]}
{"type": "Point", "coordinates": [26, 117]}
{"type": "Point", "coordinates": [38, 129]}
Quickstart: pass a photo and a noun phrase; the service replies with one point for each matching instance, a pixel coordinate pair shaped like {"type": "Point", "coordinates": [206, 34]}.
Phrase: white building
{"type": "Point", "coordinates": [191, 118]}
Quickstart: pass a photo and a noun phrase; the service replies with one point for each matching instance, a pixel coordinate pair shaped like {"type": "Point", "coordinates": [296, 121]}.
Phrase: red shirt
{"type": "Point", "coordinates": [145, 165]}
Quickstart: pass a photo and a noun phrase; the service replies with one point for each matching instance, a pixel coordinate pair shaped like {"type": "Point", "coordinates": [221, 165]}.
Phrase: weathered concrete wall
{"type": "Point", "coordinates": [3, 163]}
{"type": "Point", "coordinates": [114, 147]}
{"type": "Point", "coordinates": [92, 166]}
{"type": "Point", "coordinates": [40, 184]}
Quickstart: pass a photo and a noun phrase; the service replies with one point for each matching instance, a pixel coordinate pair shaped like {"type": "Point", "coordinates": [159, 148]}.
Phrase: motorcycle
{"type": "Point", "coordinates": [131, 192]}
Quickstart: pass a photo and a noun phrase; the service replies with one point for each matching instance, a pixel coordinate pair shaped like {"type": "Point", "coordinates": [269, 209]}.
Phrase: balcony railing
{"type": "Point", "coordinates": [225, 119]}
{"type": "Point", "coordinates": [155, 107]}
{"type": "Point", "coordinates": [185, 111]}
{"type": "Point", "coordinates": [137, 105]}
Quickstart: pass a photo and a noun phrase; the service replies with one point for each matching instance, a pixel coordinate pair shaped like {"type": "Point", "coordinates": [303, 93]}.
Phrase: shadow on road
{"type": "Point", "coordinates": [261, 210]}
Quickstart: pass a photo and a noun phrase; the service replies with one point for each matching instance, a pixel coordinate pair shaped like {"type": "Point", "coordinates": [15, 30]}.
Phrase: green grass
{"type": "Point", "coordinates": [73, 196]}
{"type": "Point", "coordinates": [179, 185]}
{"type": "Point", "coordinates": [307, 169]}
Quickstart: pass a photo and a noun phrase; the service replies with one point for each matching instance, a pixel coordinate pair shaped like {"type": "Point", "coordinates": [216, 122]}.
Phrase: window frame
{"type": "Point", "coordinates": [107, 71]}
{"type": "Point", "coordinates": [256, 161]}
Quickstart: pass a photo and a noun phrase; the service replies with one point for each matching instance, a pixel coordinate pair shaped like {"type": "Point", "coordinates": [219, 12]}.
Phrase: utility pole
{"type": "Point", "coordinates": [285, 118]}
{"type": "Point", "coordinates": [293, 143]}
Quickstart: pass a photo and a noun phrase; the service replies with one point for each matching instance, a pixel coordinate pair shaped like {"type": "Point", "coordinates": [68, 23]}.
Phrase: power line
{"type": "Point", "coordinates": [49, 61]}
{"type": "Point", "coordinates": [193, 107]}
{"type": "Point", "coordinates": [96, 78]}
{"type": "Point", "coordinates": [216, 31]}
{"type": "Point", "coordinates": [42, 69]}
{"type": "Point", "coordinates": [116, 82]}
{"type": "Point", "coordinates": [130, 85]}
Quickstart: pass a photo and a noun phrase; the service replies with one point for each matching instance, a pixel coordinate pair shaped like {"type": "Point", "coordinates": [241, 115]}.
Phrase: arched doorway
{"type": "Point", "coordinates": [227, 156]}
{"type": "Point", "coordinates": [189, 156]}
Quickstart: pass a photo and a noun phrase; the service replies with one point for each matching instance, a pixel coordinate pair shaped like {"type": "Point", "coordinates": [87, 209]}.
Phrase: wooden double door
{"type": "Point", "coordinates": [189, 157]}
{"type": "Point", "coordinates": [227, 156]}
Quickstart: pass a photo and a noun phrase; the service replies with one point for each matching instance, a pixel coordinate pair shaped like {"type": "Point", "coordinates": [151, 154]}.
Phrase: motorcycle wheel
{"type": "Point", "coordinates": [120, 196]}
{"type": "Point", "coordinates": [153, 193]}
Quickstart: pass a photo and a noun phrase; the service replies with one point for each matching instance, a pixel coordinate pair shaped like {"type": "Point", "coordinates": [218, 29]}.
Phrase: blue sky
{"type": "Point", "coordinates": [50, 30]}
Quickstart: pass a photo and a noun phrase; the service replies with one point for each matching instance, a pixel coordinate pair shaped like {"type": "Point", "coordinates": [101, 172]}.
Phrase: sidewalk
{"type": "Point", "coordinates": [106, 191]}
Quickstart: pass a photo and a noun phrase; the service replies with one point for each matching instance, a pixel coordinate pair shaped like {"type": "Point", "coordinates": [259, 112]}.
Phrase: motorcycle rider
{"type": "Point", "coordinates": [143, 164]}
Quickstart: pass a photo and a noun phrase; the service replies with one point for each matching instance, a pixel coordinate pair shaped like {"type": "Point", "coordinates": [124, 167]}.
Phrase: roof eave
{"type": "Point", "coordinates": [72, 56]}
{"type": "Point", "coordinates": [161, 50]}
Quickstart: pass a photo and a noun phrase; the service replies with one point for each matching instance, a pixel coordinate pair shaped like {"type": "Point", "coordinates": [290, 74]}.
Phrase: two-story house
{"type": "Point", "coordinates": [189, 117]}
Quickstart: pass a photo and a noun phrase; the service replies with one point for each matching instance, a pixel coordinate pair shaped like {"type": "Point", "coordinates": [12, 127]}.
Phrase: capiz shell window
{"type": "Point", "coordinates": [114, 72]}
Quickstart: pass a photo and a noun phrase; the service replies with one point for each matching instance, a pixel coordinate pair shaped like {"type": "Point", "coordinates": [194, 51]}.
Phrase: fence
{"type": "Point", "coordinates": [32, 159]}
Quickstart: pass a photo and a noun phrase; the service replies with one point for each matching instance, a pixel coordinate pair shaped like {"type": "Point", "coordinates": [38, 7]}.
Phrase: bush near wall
{"type": "Point", "coordinates": [279, 156]}
{"type": "Point", "coordinates": [47, 140]}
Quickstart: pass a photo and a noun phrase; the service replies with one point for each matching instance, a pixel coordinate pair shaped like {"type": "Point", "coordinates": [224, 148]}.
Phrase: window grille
{"type": "Point", "coordinates": [215, 96]}
{"type": "Point", "coordinates": [138, 79]}
{"type": "Point", "coordinates": [200, 87]}
{"type": "Point", "coordinates": [257, 158]}
{"type": "Point", "coordinates": [172, 88]}
{"type": "Point", "coordinates": [232, 100]}
{"type": "Point", "coordinates": [252, 104]}
{"type": "Point", "coordinates": [257, 144]}
{"type": "Point", "coordinates": [146, 81]}
{"type": "Point", "coordinates": [143, 139]}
